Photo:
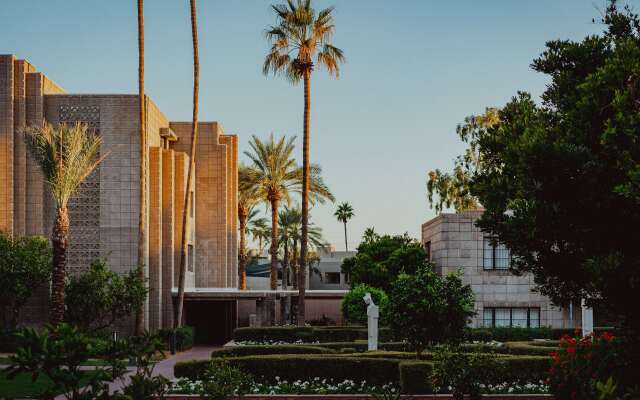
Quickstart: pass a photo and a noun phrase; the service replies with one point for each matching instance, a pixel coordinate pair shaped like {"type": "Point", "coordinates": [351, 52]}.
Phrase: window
{"type": "Point", "coordinates": [427, 250]}
{"type": "Point", "coordinates": [495, 256]}
{"type": "Point", "coordinates": [332, 278]}
{"type": "Point", "coordinates": [516, 317]}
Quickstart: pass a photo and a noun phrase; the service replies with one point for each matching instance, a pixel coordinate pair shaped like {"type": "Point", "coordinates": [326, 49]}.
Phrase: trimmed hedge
{"type": "Point", "coordinates": [394, 355]}
{"type": "Point", "coordinates": [192, 370]}
{"type": "Point", "coordinates": [524, 368]}
{"type": "Point", "coordinates": [184, 337]}
{"type": "Point", "coordinates": [239, 351]}
{"type": "Point", "coordinates": [507, 334]}
{"type": "Point", "coordinates": [415, 377]}
{"type": "Point", "coordinates": [361, 345]}
{"type": "Point", "coordinates": [514, 348]}
{"type": "Point", "coordinates": [308, 334]}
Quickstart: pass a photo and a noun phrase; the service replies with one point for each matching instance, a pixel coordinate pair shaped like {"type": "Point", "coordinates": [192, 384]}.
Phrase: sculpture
{"type": "Point", "coordinates": [373, 314]}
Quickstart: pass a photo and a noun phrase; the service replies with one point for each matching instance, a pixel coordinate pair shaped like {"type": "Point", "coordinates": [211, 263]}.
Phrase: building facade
{"type": "Point", "coordinates": [104, 212]}
{"type": "Point", "coordinates": [454, 243]}
{"type": "Point", "coordinates": [327, 274]}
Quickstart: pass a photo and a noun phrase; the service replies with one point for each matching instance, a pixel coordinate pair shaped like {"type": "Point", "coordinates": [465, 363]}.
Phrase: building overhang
{"type": "Point", "coordinates": [235, 294]}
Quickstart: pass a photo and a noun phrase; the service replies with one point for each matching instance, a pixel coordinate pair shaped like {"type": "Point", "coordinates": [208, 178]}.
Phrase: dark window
{"type": "Point", "coordinates": [427, 250]}
{"type": "Point", "coordinates": [332, 278]}
{"type": "Point", "coordinates": [495, 256]}
{"type": "Point", "coordinates": [514, 317]}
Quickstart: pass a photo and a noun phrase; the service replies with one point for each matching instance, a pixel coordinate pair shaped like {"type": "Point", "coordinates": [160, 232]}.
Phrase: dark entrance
{"type": "Point", "coordinates": [213, 320]}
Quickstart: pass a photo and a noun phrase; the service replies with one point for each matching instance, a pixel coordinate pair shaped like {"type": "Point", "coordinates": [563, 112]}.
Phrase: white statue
{"type": "Point", "coordinates": [587, 319]}
{"type": "Point", "coordinates": [373, 314]}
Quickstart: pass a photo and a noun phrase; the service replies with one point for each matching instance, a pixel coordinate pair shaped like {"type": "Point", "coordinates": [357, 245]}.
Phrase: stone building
{"type": "Point", "coordinates": [104, 213]}
{"type": "Point", "coordinates": [453, 243]}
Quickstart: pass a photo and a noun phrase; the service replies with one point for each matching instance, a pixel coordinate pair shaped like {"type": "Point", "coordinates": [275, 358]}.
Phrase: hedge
{"type": "Point", "coordinates": [394, 355]}
{"type": "Point", "coordinates": [192, 370]}
{"type": "Point", "coordinates": [515, 348]}
{"type": "Point", "coordinates": [184, 337]}
{"type": "Point", "coordinates": [292, 334]}
{"type": "Point", "coordinates": [361, 345]}
{"type": "Point", "coordinates": [239, 351]}
{"type": "Point", "coordinates": [415, 377]}
{"type": "Point", "coordinates": [524, 368]}
{"type": "Point", "coordinates": [507, 334]}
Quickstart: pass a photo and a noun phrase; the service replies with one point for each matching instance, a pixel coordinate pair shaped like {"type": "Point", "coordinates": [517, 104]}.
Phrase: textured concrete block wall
{"type": "Point", "coordinates": [155, 238]}
{"type": "Point", "coordinates": [168, 235]}
{"type": "Point", "coordinates": [6, 142]}
{"type": "Point", "coordinates": [457, 244]}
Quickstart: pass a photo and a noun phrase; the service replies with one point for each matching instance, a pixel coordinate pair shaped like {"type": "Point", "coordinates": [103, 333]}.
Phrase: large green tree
{"type": "Point", "coordinates": [66, 156]}
{"type": "Point", "coordinates": [301, 35]}
{"type": "Point", "coordinates": [560, 180]}
{"type": "Point", "coordinates": [25, 265]}
{"type": "Point", "coordinates": [380, 259]}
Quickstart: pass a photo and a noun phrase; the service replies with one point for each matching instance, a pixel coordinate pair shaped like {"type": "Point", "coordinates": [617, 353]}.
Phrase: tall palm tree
{"type": "Point", "coordinates": [289, 218]}
{"type": "Point", "coordinates": [299, 36]}
{"type": "Point", "coordinates": [66, 155]}
{"type": "Point", "coordinates": [247, 199]}
{"type": "Point", "coordinates": [260, 231]}
{"type": "Point", "coordinates": [142, 216]}
{"type": "Point", "coordinates": [186, 221]}
{"type": "Point", "coordinates": [344, 213]}
{"type": "Point", "coordinates": [294, 234]}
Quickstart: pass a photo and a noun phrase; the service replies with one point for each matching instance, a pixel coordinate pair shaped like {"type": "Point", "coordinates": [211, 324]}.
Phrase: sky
{"type": "Point", "coordinates": [415, 69]}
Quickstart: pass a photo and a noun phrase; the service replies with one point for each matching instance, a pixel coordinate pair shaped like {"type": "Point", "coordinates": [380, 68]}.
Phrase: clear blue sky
{"type": "Point", "coordinates": [415, 69]}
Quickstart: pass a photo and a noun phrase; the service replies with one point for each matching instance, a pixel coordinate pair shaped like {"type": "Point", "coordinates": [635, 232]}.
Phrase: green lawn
{"type": "Point", "coordinates": [21, 386]}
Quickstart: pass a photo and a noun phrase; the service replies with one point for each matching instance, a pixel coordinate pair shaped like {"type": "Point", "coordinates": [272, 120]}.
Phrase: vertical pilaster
{"type": "Point", "coordinates": [168, 235]}
{"type": "Point", "coordinates": [6, 142]}
{"type": "Point", "coordinates": [155, 238]}
{"type": "Point", "coordinates": [35, 199]}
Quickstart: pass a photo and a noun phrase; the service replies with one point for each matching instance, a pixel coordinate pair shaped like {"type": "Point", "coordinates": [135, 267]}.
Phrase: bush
{"type": "Point", "coordinates": [415, 377]}
{"type": "Point", "coordinates": [239, 351]}
{"type": "Point", "coordinates": [507, 334]}
{"type": "Point", "coordinates": [221, 381]}
{"type": "Point", "coordinates": [523, 369]}
{"type": "Point", "coordinates": [184, 337]}
{"type": "Point", "coordinates": [581, 362]}
{"type": "Point", "coordinates": [288, 334]}
{"type": "Point", "coordinates": [463, 372]}
{"type": "Point", "coordinates": [193, 370]}
{"type": "Point", "coordinates": [354, 308]}
{"type": "Point", "coordinates": [515, 348]}
{"type": "Point", "coordinates": [8, 342]}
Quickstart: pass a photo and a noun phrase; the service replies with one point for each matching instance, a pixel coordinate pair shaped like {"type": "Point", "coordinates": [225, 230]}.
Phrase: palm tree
{"type": "Point", "coordinates": [186, 221]}
{"type": "Point", "coordinates": [369, 235]}
{"type": "Point", "coordinates": [299, 36]}
{"type": "Point", "coordinates": [247, 199]}
{"type": "Point", "coordinates": [260, 231]}
{"type": "Point", "coordinates": [344, 213]}
{"type": "Point", "coordinates": [289, 218]}
{"type": "Point", "coordinates": [142, 218]}
{"type": "Point", "coordinates": [66, 155]}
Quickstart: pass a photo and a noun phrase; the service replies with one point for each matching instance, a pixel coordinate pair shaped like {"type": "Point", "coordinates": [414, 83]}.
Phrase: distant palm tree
{"type": "Point", "coordinates": [260, 232]}
{"type": "Point", "coordinates": [299, 36]}
{"type": "Point", "coordinates": [66, 155]}
{"type": "Point", "coordinates": [142, 216]}
{"type": "Point", "coordinates": [186, 221]}
{"type": "Point", "coordinates": [288, 218]}
{"type": "Point", "coordinates": [369, 235]}
{"type": "Point", "coordinates": [344, 213]}
{"type": "Point", "coordinates": [247, 198]}
{"type": "Point", "coordinates": [275, 174]}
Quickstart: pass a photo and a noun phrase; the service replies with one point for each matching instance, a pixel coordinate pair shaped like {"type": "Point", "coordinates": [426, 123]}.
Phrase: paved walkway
{"type": "Point", "coordinates": [164, 367]}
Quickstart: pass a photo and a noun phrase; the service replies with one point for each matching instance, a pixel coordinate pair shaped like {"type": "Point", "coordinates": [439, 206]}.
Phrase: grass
{"type": "Point", "coordinates": [23, 387]}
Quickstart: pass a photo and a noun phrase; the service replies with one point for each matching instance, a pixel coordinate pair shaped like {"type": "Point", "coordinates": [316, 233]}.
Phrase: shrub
{"type": "Point", "coordinates": [239, 351]}
{"type": "Point", "coordinates": [507, 334]}
{"type": "Point", "coordinates": [289, 334]}
{"type": "Point", "coordinates": [293, 367]}
{"type": "Point", "coordinates": [221, 381]}
{"type": "Point", "coordinates": [354, 309]}
{"type": "Point", "coordinates": [184, 337]}
{"type": "Point", "coordinates": [193, 370]}
{"type": "Point", "coordinates": [515, 348]}
{"type": "Point", "coordinates": [428, 308]}
{"type": "Point", "coordinates": [523, 369]}
{"type": "Point", "coordinates": [415, 377]}
{"type": "Point", "coordinates": [581, 362]}
{"type": "Point", "coordinates": [463, 372]}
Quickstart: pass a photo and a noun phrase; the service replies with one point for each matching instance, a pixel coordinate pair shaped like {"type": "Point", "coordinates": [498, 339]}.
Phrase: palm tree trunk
{"type": "Point", "coordinates": [346, 246]}
{"type": "Point", "coordinates": [186, 220]}
{"type": "Point", "coordinates": [275, 204]}
{"type": "Point", "coordinates": [285, 263]}
{"type": "Point", "coordinates": [242, 255]}
{"type": "Point", "coordinates": [142, 219]}
{"type": "Point", "coordinates": [60, 241]}
{"type": "Point", "coordinates": [305, 201]}
{"type": "Point", "coordinates": [294, 263]}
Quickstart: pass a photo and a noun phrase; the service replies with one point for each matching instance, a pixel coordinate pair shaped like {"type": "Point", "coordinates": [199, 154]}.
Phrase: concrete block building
{"type": "Point", "coordinates": [453, 243]}
{"type": "Point", "coordinates": [104, 213]}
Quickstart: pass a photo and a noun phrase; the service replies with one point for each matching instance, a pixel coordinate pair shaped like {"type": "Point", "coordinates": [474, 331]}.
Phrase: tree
{"type": "Point", "coordinates": [344, 213]}
{"type": "Point", "coordinates": [25, 265]}
{"type": "Point", "coordinates": [561, 180]}
{"type": "Point", "coordinates": [452, 189]}
{"type": "Point", "coordinates": [142, 215]}
{"type": "Point", "coordinates": [298, 36]}
{"type": "Point", "coordinates": [380, 260]}
{"type": "Point", "coordinates": [428, 308]}
{"type": "Point", "coordinates": [247, 199]}
{"type": "Point", "coordinates": [186, 221]}
{"type": "Point", "coordinates": [99, 297]}
{"type": "Point", "coordinates": [354, 308]}
{"type": "Point", "coordinates": [66, 155]}
{"type": "Point", "coordinates": [369, 235]}
{"type": "Point", "coordinates": [260, 231]}
{"type": "Point", "coordinates": [275, 175]}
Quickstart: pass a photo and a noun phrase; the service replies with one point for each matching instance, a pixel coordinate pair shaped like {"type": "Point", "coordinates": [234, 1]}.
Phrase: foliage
{"type": "Point", "coordinates": [354, 308]}
{"type": "Point", "coordinates": [463, 372]}
{"type": "Point", "coordinates": [428, 308]}
{"type": "Point", "coordinates": [506, 334]}
{"type": "Point", "coordinates": [380, 259]}
{"type": "Point", "coordinates": [25, 265]}
{"type": "Point", "coordinates": [415, 377]}
{"type": "Point", "coordinates": [582, 362]}
{"type": "Point", "coordinates": [306, 334]}
{"type": "Point", "coordinates": [253, 350]}
{"type": "Point", "coordinates": [344, 212]}
{"type": "Point", "coordinates": [99, 297]}
{"type": "Point", "coordinates": [221, 381]}
{"type": "Point", "coordinates": [143, 384]}
{"type": "Point", "coordinates": [58, 353]}
{"type": "Point", "coordinates": [184, 337]}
